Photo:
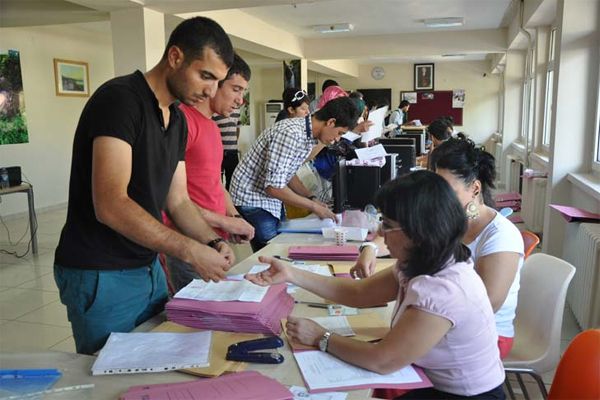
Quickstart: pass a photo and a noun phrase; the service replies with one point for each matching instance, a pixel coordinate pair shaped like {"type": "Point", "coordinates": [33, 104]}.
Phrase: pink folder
{"type": "Point", "coordinates": [574, 214]}
{"type": "Point", "coordinates": [331, 253]}
{"type": "Point", "coordinates": [247, 385]}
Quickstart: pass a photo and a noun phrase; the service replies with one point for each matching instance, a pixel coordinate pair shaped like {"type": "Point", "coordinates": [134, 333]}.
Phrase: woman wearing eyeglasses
{"type": "Point", "coordinates": [295, 104]}
{"type": "Point", "coordinates": [443, 321]}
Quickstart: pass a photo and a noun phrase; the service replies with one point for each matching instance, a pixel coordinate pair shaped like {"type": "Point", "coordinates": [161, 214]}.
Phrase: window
{"type": "Point", "coordinates": [527, 101]}
{"type": "Point", "coordinates": [596, 156]}
{"type": "Point", "coordinates": [549, 96]}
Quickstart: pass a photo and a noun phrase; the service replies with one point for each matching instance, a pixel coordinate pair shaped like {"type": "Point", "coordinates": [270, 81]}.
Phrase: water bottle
{"type": "Point", "coordinates": [372, 217]}
{"type": "Point", "coordinates": [4, 178]}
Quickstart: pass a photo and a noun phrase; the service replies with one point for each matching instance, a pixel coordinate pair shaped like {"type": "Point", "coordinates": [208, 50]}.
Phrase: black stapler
{"type": "Point", "coordinates": [245, 351]}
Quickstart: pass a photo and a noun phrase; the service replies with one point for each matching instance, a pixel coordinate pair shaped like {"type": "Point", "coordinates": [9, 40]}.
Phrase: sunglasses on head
{"type": "Point", "coordinates": [299, 95]}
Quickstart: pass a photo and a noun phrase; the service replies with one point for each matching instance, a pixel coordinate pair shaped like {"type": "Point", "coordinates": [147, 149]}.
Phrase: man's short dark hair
{"type": "Point", "coordinates": [327, 83]}
{"type": "Point", "coordinates": [239, 67]}
{"type": "Point", "coordinates": [193, 35]}
{"type": "Point", "coordinates": [404, 103]}
{"type": "Point", "coordinates": [342, 109]}
{"type": "Point", "coordinates": [441, 129]}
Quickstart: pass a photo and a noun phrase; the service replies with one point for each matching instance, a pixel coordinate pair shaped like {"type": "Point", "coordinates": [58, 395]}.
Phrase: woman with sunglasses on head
{"type": "Point", "coordinates": [295, 104]}
{"type": "Point", "coordinates": [442, 321]}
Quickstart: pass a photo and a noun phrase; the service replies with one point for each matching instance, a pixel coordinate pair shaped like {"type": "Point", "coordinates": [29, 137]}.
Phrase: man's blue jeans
{"type": "Point", "coordinates": [264, 223]}
{"type": "Point", "coordinates": [103, 301]}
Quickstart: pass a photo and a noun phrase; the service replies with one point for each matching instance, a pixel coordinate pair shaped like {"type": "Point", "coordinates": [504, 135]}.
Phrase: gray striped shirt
{"type": "Point", "coordinates": [228, 126]}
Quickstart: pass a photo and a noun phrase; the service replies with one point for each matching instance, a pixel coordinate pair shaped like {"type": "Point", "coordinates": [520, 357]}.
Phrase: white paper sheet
{"type": "Point", "coordinates": [301, 393]}
{"type": "Point", "coordinates": [223, 291]}
{"type": "Point", "coordinates": [358, 234]}
{"type": "Point", "coordinates": [338, 325]}
{"type": "Point", "coordinates": [375, 130]}
{"type": "Point", "coordinates": [324, 371]}
{"type": "Point", "coordinates": [130, 353]}
{"type": "Point", "coordinates": [306, 224]}
{"type": "Point", "coordinates": [351, 136]}
{"type": "Point", "coordinates": [369, 153]}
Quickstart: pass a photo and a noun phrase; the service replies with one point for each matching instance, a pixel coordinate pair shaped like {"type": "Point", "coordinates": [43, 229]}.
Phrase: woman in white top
{"type": "Point", "coordinates": [496, 244]}
{"type": "Point", "coordinates": [442, 321]}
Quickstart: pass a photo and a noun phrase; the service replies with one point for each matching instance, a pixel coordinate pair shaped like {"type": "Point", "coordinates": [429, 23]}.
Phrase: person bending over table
{"type": "Point", "coordinates": [442, 322]}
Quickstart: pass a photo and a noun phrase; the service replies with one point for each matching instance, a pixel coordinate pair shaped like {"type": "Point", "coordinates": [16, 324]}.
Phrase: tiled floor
{"type": "Point", "coordinates": [31, 315]}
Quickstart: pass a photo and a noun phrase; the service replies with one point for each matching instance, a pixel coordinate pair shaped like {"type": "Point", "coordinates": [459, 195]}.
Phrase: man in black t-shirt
{"type": "Point", "coordinates": [127, 168]}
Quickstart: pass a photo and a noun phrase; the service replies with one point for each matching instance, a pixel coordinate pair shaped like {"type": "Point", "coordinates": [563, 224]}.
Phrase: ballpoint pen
{"type": "Point", "coordinates": [312, 304]}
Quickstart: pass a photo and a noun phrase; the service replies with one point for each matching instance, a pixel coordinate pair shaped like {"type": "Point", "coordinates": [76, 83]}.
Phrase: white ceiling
{"type": "Point", "coordinates": [369, 17]}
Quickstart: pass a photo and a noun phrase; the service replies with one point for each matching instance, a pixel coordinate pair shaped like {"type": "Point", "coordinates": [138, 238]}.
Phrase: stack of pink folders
{"type": "Point", "coordinates": [326, 253]}
{"type": "Point", "coordinates": [234, 316]}
{"type": "Point", "coordinates": [247, 385]}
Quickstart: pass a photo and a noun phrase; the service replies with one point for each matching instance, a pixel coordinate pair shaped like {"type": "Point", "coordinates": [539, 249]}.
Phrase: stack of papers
{"type": "Point", "coordinates": [333, 253]}
{"type": "Point", "coordinates": [244, 291]}
{"type": "Point", "coordinates": [234, 316]}
{"type": "Point", "coordinates": [323, 372]}
{"type": "Point", "coordinates": [305, 225]}
{"type": "Point", "coordinates": [131, 353]}
{"type": "Point", "coordinates": [239, 386]}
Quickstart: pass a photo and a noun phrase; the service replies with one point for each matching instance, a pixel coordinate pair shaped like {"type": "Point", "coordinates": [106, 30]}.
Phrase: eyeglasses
{"type": "Point", "coordinates": [385, 227]}
{"type": "Point", "coordinates": [299, 95]}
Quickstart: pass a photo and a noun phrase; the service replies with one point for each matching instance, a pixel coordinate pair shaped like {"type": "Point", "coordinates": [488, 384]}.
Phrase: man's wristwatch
{"type": "Point", "coordinates": [324, 341]}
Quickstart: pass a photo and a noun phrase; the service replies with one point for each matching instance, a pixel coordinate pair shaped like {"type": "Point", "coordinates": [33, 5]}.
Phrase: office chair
{"type": "Point", "coordinates": [544, 283]}
{"type": "Point", "coordinates": [530, 240]}
{"type": "Point", "coordinates": [578, 372]}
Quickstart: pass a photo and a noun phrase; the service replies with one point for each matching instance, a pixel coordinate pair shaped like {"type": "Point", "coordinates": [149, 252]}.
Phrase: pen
{"type": "Point", "coordinates": [282, 258]}
{"type": "Point", "coordinates": [312, 304]}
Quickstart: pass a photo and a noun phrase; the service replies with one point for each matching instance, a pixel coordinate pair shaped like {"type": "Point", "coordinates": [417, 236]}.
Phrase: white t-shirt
{"type": "Point", "coordinates": [500, 235]}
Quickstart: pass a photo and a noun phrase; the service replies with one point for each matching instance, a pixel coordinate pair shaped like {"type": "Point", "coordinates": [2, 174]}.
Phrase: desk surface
{"type": "Point", "coordinates": [23, 187]}
{"type": "Point", "coordinates": [76, 367]}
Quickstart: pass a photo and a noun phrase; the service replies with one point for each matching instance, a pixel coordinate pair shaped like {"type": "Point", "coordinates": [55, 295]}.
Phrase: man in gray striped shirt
{"type": "Point", "coordinates": [266, 176]}
{"type": "Point", "coordinates": [230, 132]}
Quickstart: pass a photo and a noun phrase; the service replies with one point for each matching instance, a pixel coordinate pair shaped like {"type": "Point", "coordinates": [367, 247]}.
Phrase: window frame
{"type": "Point", "coordinates": [548, 121]}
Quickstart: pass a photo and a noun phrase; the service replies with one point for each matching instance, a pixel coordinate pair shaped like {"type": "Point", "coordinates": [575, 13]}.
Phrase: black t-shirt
{"type": "Point", "coordinates": [124, 108]}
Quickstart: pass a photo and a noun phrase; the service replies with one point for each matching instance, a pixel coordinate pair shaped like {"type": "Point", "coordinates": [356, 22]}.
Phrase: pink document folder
{"type": "Point", "coordinates": [574, 214]}
{"type": "Point", "coordinates": [333, 253]}
{"type": "Point", "coordinates": [247, 385]}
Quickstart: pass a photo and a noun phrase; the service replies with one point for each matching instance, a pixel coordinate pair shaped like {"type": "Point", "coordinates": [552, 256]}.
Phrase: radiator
{"type": "Point", "coordinates": [582, 249]}
{"type": "Point", "coordinates": [514, 174]}
{"type": "Point", "coordinates": [533, 204]}
{"type": "Point", "coordinates": [498, 157]}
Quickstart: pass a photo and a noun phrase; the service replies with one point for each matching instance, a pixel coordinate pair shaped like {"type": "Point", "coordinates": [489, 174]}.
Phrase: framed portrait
{"type": "Point", "coordinates": [424, 75]}
{"type": "Point", "coordinates": [71, 77]}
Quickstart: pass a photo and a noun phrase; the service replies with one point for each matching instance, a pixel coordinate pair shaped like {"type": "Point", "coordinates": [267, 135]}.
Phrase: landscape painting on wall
{"type": "Point", "coordinates": [13, 128]}
{"type": "Point", "coordinates": [72, 78]}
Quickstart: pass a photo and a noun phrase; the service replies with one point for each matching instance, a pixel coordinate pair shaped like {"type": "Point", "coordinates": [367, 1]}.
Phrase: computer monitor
{"type": "Point", "coordinates": [406, 158]}
{"type": "Point", "coordinates": [362, 184]}
{"type": "Point", "coordinates": [397, 140]}
{"type": "Point", "coordinates": [339, 188]}
{"type": "Point", "coordinates": [419, 141]}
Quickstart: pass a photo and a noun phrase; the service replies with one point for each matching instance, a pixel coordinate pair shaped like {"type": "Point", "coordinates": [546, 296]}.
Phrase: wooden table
{"type": "Point", "coordinates": [26, 188]}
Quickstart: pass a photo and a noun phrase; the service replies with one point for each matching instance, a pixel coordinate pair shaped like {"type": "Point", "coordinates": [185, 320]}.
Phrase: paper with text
{"type": "Point", "coordinates": [351, 136]}
{"type": "Point", "coordinates": [375, 130]}
{"type": "Point", "coordinates": [323, 371]}
{"type": "Point", "coordinates": [369, 153]}
{"type": "Point", "coordinates": [243, 290]}
{"type": "Point", "coordinates": [301, 393]}
{"type": "Point", "coordinates": [137, 352]}
{"type": "Point", "coordinates": [338, 325]}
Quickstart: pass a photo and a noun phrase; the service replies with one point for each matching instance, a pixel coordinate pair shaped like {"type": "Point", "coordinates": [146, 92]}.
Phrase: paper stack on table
{"type": "Point", "coordinates": [136, 352]}
{"type": "Point", "coordinates": [238, 386]}
{"type": "Point", "coordinates": [334, 253]}
{"type": "Point", "coordinates": [234, 316]}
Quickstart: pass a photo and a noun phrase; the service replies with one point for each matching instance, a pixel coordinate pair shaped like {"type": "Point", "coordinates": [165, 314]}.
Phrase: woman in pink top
{"type": "Point", "coordinates": [443, 321]}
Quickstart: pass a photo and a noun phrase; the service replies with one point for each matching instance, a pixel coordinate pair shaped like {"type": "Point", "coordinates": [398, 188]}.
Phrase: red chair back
{"type": "Point", "coordinates": [578, 372]}
{"type": "Point", "coordinates": [530, 240]}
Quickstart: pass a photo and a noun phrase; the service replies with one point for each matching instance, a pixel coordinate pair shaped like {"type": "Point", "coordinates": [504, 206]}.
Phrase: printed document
{"type": "Point", "coordinates": [375, 130]}
{"type": "Point", "coordinates": [243, 290]}
{"type": "Point", "coordinates": [338, 325]}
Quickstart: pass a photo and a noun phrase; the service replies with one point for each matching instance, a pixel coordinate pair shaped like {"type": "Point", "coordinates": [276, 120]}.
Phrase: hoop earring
{"type": "Point", "coordinates": [471, 210]}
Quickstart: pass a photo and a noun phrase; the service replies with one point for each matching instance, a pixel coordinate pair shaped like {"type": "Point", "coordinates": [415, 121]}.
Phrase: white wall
{"type": "Point", "coordinates": [51, 120]}
{"type": "Point", "coordinates": [480, 114]}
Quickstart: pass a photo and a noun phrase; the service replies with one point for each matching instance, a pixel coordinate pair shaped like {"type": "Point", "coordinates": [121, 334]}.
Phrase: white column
{"type": "Point", "coordinates": [138, 36]}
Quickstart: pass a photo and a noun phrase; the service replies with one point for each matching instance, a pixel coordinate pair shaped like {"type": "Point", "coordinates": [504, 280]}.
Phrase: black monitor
{"type": "Point", "coordinates": [406, 158]}
{"type": "Point", "coordinates": [419, 141]}
{"type": "Point", "coordinates": [398, 140]}
{"type": "Point", "coordinates": [339, 188]}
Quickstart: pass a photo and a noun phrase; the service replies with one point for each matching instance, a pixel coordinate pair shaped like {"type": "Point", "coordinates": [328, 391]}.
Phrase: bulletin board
{"type": "Point", "coordinates": [439, 105]}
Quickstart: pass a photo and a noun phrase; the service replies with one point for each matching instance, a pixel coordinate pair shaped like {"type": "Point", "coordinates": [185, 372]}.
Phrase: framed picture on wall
{"type": "Point", "coordinates": [71, 77]}
{"type": "Point", "coordinates": [424, 75]}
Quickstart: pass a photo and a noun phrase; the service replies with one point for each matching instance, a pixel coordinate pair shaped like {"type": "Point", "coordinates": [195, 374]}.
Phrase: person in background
{"type": "Point", "coordinates": [495, 243]}
{"type": "Point", "coordinates": [230, 134]}
{"type": "Point", "coordinates": [442, 321]}
{"type": "Point", "coordinates": [295, 104]}
{"type": "Point", "coordinates": [203, 157]}
{"type": "Point", "coordinates": [313, 104]}
{"type": "Point", "coordinates": [439, 130]}
{"type": "Point", "coordinates": [399, 117]}
{"type": "Point", "coordinates": [266, 176]}
{"type": "Point", "coordinates": [127, 167]}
